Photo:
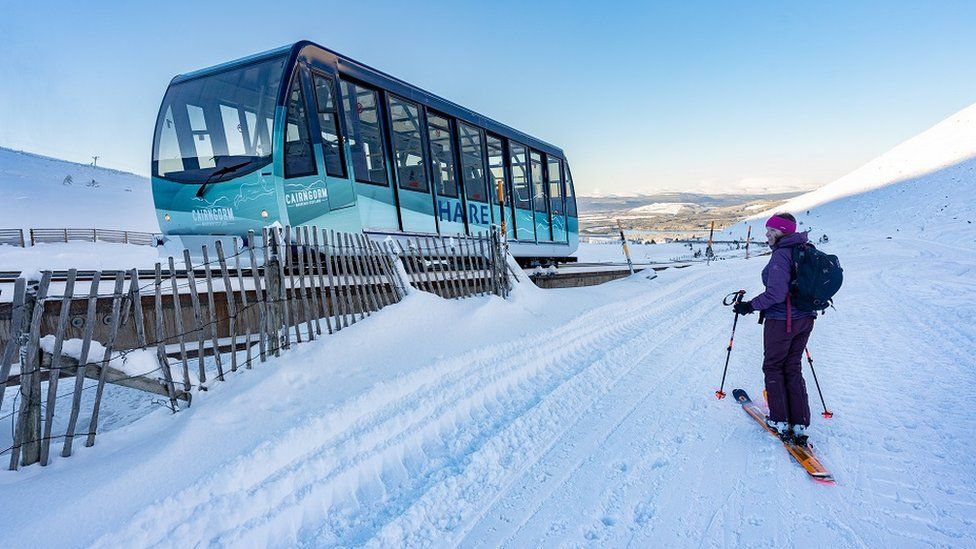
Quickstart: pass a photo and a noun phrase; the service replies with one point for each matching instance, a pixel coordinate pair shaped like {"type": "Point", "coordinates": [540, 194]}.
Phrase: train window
{"type": "Point", "coordinates": [299, 159]}
{"type": "Point", "coordinates": [442, 155]}
{"type": "Point", "coordinates": [555, 186]}
{"type": "Point", "coordinates": [538, 183]}
{"type": "Point", "coordinates": [408, 145]}
{"type": "Point", "coordinates": [335, 164]}
{"type": "Point", "coordinates": [169, 158]}
{"type": "Point", "coordinates": [365, 134]}
{"type": "Point", "coordinates": [570, 193]}
{"type": "Point", "coordinates": [496, 165]}
{"type": "Point", "coordinates": [472, 167]}
{"type": "Point", "coordinates": [201, 137]}
{"type": "Point", "coordinates": [520, 177]}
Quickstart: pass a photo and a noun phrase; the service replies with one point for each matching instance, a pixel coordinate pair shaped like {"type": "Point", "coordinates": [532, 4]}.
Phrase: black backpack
{"type": "Point", "coordinates": [816, 278]}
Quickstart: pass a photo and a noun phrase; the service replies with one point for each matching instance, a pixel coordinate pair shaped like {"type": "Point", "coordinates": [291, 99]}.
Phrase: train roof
{"type": "Point", "coordinates": [368, 75]}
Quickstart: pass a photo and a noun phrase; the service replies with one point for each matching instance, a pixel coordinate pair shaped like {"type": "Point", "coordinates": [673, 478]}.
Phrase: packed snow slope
{"type": "Point", "coordinates": [576, 417]}
{"type": "Point", "coordinates": [39, 191]}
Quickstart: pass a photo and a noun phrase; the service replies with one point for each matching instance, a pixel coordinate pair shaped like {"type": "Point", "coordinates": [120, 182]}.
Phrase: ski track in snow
{"type": "Point", "coordinates": [603, 432]}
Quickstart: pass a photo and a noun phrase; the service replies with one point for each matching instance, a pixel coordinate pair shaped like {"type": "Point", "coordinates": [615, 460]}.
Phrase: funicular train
{"type": "Point", "coordinates": [301, 135]}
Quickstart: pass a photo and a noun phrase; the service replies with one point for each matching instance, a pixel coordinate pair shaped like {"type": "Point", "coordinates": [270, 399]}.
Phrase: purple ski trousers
{"type": "Point", "coordinates": [786, 392]}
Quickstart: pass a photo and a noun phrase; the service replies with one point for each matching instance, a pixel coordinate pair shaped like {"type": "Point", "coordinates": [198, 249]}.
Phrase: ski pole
{"type": "Point", "coordinates": [827, 414]}
{"type": "Point", "coordinates": [736, 298]}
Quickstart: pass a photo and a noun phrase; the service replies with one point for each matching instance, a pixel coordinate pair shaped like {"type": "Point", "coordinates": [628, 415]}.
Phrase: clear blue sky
{"type": "Point", "coordinates": [641, 95]}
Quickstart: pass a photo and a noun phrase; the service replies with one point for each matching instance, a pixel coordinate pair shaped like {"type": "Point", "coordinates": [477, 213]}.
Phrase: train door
{"type": "Point", "coordinates": [557, 209]}
{"type": "Point", "coordinates": [316, 179]}
{"type": "Point", "coordinates": [521, 193]}
{"type": "Point", "coordinates": [501, 186]}
{"type": "Point", "coordinates": [413, 186]}
{"type": "Point", "coordinates": [471, 152]}
{"type": "Point", "coordinates": [444, 180]}
{"type": "Point", "coordinates": [540, 200]}
{"type": "Point", "coordinates": [362, 111]}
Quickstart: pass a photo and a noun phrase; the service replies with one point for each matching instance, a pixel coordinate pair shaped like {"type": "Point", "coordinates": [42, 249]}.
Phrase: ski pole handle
{"type": "Point", "coordinates": [733, 298]}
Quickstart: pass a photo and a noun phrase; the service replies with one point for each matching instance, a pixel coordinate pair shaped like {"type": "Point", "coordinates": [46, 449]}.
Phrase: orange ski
{"type": "Point", "coordinates": [802, 454]}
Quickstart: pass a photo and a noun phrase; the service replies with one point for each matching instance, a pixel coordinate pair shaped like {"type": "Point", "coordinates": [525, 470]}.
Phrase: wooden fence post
{"type": "Point", "coordinates": [107, 357]}
{"type": "Point", "coordinates": [272, 275]}
{"type": "Point", "coordinates": [246, 313]}
{"type": "Point", "coordinates": [27, 432]}
{"type": "Point", "coordinates": [161, 339]}
{"type": "Point", "coordinates": [82, 364]}
{"type": "Point", "coordinates": [197, 318]}
{"type": "Point", "coordinates": [54, 373]}
{"type": "Point", "coordinates": [302, 287]}
{"type": "Point", "coordinates": [178, 317]}
{"type": "Point", "coordinates": [231, 304]}
{"type": "Point", "coordinates": [212, 310]}
{"type": "Point", "coordinates": [330, 268]}
{"type": "Point", "coordinates": [309, 267]}
{"type": "Point", "coordinates": [20, 289]}
{"type": "Point", "coordinates": [259, 298]}
{"type": "Point", "coordinates": [323, 289]}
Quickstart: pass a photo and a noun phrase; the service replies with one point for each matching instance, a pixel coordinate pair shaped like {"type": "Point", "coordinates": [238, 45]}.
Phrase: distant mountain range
{"type": "Point", "coordinates": [592, 204]}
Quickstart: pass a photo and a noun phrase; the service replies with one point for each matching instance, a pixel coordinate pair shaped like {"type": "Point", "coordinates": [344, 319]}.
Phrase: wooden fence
{"type": "Point", "coordinates": [15, 237]}
{"type": "Point", "coordinates": [12, 237]}
{"type": "Point", "coordinates": [239, 308]}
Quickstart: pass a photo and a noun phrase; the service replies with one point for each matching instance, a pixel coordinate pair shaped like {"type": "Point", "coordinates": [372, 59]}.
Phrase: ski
{"type": "Point", "coordinates": [804, 454]}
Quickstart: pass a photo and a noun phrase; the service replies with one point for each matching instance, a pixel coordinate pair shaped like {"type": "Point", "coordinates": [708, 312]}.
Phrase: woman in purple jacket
{"type": "Point", "coordinates": [785, 333]}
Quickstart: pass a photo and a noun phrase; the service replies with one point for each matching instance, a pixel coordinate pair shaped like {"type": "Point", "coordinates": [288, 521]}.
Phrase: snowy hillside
{"type": "Point", "coordinates": [39, 191]}
{"type": "Point", "coordinates": [577, 417]}
{"type": "Point", "coordinates": [923, 186]}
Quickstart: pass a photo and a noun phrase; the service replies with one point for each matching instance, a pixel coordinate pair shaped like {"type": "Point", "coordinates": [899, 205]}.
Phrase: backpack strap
{"type": "Point", "coordinates": [789, 315]}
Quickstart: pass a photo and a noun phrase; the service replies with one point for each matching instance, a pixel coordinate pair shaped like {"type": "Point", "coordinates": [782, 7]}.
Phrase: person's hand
{"type": "Point", "coordinates": [743, 308]}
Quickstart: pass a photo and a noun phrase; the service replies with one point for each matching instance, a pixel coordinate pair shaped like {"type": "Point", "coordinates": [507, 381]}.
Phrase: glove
{"type": "Point", "coordinates": [743, 308]}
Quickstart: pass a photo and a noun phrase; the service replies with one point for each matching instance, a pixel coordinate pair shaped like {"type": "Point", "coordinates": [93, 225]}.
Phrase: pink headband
{"type": "Point", "coordinates": [781, 224]}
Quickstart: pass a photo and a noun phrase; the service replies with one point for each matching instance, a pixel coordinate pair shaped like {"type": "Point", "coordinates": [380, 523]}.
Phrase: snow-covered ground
{"type": "Point", "coordinates": [38, 191]}
{"type": "Point", "coordinates": [574, 417]}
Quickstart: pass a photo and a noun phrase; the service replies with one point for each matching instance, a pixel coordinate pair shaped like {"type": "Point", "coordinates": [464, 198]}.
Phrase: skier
{"type": "Point", "coordinates": [785, 333]}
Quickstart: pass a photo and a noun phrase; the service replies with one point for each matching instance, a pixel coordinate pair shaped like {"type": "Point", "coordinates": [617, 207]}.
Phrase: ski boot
{"type": "Point", "coordinates": [798, 434]}
{"type": "Point", "coordinates": [781, 428]}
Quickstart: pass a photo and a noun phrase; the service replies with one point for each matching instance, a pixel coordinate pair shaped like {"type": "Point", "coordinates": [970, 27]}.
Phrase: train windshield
{"type": "Point", "coordinates": [218, 126]}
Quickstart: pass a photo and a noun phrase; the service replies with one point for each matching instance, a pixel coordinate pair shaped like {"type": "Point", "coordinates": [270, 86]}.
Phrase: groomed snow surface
{"type": "Point", "coordinates": [577, 417]}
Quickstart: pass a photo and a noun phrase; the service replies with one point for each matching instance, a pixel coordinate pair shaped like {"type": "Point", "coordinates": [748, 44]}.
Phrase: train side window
{"type": "Point", "coordinates": [335, 164]}
{"type": "Point", "coordinates": [408, 149]}
{"type": "Point", "coordinates": [538, 184]}
{"type": "Point", "coordinates": [299, 159]}
{"type": "Point", "coordinates": [365, 135]}
{"type": "Point", "coordinates": [472, 168]}
{"type": "Point", "coordinates": [496, 165]}
{"type": "Point", "coordinates": [555, 186]}
{"type": "Point", "coordinates": [442, 155]}
{"type": "Point", "coordinates": [570, 193]}
{"type": "Point", "coordinates": [520, 177]}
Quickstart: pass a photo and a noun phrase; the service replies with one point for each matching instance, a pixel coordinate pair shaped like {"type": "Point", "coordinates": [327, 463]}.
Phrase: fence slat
{"type": "Point", "coordinates": [212, 312]}
{"type": "Point", "coordinates": [347, 289]}
{"type": "Point", "coordinates": [259, 297]}
{"type": "Point", "coordinates": [323, 297]}
{"type": "Point", "coordinates": [55, 371]}
{"type": "Point", "coordinates": [373, 255]}
{"type": "Point", "coordinates": [20, 290]}
{"type": "Point", "coordinates": [302, 287]}
{"type": "Point", "coordinates": [107, 357]}
{"type": "Point", "coordinates": [272, 290]}
{"type": "Point", "coordinates": [231, 304]}
{"type": "Point", "coordinates": [23, 440]}
{"type": "Point", "coordinates": [82, 364]}
{"type": "Point", "coordinates": [178, 317]}
{"type": "Point", "coordinates": [246, 313]}
{"type": "Point", "coordinates": [367, 278]}
{"type": "Point", "coordinates": [197, 317]}
{"type": "Point", "coordinates": [316, 307]}
{"type": "Point", "coordinates": [161, 338]}
{"type": "Point", "coordinates": [334, 292]}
